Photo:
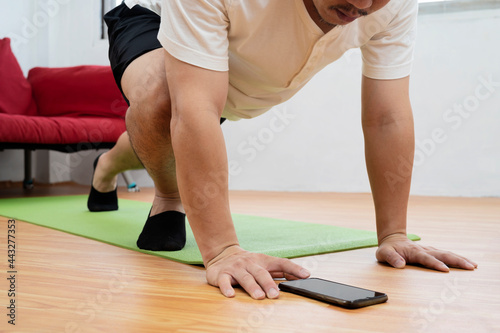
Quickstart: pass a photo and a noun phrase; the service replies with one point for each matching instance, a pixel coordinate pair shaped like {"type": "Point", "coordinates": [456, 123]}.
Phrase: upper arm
{"type": "Point", "coordinates": [387, 61]}
{"type": "Point", "coordinates": [384, 101]}
{"type": "Point", "coordinates": [194, 35]}
{"type": "Point", "coordinates": [195, 90]}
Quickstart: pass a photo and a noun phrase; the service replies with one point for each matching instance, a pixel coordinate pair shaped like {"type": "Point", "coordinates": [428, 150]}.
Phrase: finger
{"type": "Point", "coordinates": [429, 261]}
{"type": "Point", "coordinates": [291, 277]}
{"type": "Point", "coordinates": [454, 260]}
{"type": "Point", "coordinates": [281, 275]}
{"type": "Point", "coordinates": [465, 261]}
{"type": "Point", "coordinates": [225, 286]}
{"type": "Point", "coordinates": [391, 256]}
{"type": "Point", "coordinates": [265, 280]}
{"type": "Point", "coordinates": [278, 275]}
{"type": "Point", "coordinates": [287, 267]}
{"type": "Point", "coordinates": [247, 282]}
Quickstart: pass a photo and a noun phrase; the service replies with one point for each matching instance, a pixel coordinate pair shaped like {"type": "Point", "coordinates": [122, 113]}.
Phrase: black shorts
{"type": "Point", "coordinates": [132, 33]}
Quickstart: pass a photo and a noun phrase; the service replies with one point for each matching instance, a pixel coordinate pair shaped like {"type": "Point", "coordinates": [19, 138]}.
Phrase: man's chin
{"type": "Point", "coordinates": [338, 18]}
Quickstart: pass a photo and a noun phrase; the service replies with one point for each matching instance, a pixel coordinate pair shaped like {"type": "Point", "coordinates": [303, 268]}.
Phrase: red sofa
{"type": "Point", "coordinates": [64, 109]}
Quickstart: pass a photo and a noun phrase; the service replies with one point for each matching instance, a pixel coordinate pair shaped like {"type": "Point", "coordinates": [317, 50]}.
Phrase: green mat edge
{"type": "Point", "coordinates": [412, 237]}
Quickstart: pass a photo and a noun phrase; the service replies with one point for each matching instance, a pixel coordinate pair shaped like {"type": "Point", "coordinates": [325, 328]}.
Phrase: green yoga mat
{"type": "Point", "coordinates": [281, 238]}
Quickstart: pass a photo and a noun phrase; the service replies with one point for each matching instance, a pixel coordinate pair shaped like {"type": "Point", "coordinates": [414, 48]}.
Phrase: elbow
{"type": "Point", "coordinates": [387, 119]}
{"type": "Point", "coordinates": [188, 119]}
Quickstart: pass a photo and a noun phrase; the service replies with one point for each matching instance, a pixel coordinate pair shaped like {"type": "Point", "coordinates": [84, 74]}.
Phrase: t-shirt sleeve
{"type": "Point", "coordinates": [389, 53]}
{"type": "Point", "coordinates": [195, 32]}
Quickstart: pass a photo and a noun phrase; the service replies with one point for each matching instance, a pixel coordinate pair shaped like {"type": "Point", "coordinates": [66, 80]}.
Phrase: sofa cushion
{"type": "Point", "coordinates": [76, 91]}
{"type": "Point", "coordinates": [15, 90]}
{"type": "Point", "coordinates": [59, 130]}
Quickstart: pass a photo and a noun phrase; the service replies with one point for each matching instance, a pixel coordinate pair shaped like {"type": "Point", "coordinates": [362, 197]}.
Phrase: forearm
{"type": "Point", "coordinates": [389, 150]}
{"type": "Point", "coordinates": [202, 176]}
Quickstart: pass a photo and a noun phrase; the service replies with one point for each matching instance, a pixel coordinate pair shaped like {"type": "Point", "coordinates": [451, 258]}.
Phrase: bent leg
{"type": "Point", "coordinates": [148, 125]}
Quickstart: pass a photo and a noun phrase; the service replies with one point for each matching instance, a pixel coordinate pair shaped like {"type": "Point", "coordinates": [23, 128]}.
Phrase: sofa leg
{"type": "Point", "coordinates": [131, 185]}
{"type": "Point", "coordinates": [28, 179]}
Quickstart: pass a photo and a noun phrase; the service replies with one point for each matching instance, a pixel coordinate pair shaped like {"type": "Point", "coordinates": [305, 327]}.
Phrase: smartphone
{"type": "Point", "coordinates": [334, 293]}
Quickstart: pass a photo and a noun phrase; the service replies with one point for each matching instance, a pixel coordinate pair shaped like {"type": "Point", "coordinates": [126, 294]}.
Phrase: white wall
{"type": "Point", "coordinates": [455, 57]}
{"type": "Point", "coordinates": [314, 142]}
{"type": "Point", "coordinates": [321, 149]}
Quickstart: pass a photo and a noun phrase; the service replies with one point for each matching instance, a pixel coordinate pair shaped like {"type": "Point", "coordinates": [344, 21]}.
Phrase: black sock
{"type": "Point", "coordinates": [101, 201]}
{"type": "Point", "coordinates": [163, 232]}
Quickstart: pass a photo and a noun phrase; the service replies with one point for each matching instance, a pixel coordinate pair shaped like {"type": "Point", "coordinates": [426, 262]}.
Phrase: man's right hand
{"type": "Point", "coordinates": [252, 271]}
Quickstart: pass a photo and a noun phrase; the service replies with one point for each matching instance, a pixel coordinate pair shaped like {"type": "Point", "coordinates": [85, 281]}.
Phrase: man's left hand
{"type": "Point", "coordinates": [397, 250]}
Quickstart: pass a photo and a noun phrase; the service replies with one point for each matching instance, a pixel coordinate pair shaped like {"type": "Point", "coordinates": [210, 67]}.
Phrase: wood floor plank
{"type": "Point", "coordinates": [67, 283]}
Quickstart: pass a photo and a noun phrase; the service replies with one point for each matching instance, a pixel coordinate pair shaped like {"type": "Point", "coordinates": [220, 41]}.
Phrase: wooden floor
{"type": "Point", "coordinates": [67, 283]}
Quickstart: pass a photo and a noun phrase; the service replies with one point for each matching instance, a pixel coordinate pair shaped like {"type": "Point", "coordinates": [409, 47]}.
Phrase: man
{"type": "Point", "coordinates": [207, 60]}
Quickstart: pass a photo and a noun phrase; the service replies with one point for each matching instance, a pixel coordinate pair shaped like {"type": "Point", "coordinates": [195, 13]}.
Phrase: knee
{"type": "Point", "coordinates": [151, 97]}
{"type": "Point", "coordinates": [149, 104]}
{"type": "Point", "coordinates": [144, 83]}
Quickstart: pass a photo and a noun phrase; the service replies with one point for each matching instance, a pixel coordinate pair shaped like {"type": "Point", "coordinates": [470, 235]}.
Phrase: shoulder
{"type": "Point", "coordinates": [397, 16]}
{"type": "Point", "coordinates": [396, 10]}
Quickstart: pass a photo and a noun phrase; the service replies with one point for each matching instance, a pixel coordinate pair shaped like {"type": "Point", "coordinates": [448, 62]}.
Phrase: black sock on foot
{"type": "Point", "coordinates": [101, 201]}
{"type": "Point", "coordinates": [164, 232]}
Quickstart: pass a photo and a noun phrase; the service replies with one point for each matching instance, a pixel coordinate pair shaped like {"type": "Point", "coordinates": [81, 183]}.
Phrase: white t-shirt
{"type": "Point", "coordinates": [272, 48]}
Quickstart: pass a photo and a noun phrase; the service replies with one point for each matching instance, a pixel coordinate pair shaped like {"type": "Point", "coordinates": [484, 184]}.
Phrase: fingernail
{"type": "Point", "coordinates": [304, 273]}
{"type": "Point", "coordinates": [273, 293]}
{"type": "Point", "coordinates": [259, 294]}
{"type": "Point", "coordinates": [229, 293]}
{"type": "Point", "coordinates": [469, 266]}
{"type": "Point", "coordinates": [399, 263]}
{"type": "Point", "coordinates": [444, 268]}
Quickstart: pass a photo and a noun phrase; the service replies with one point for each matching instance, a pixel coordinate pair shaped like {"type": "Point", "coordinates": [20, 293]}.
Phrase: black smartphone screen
{"type": "Point", "coordinates": [334, 292]}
